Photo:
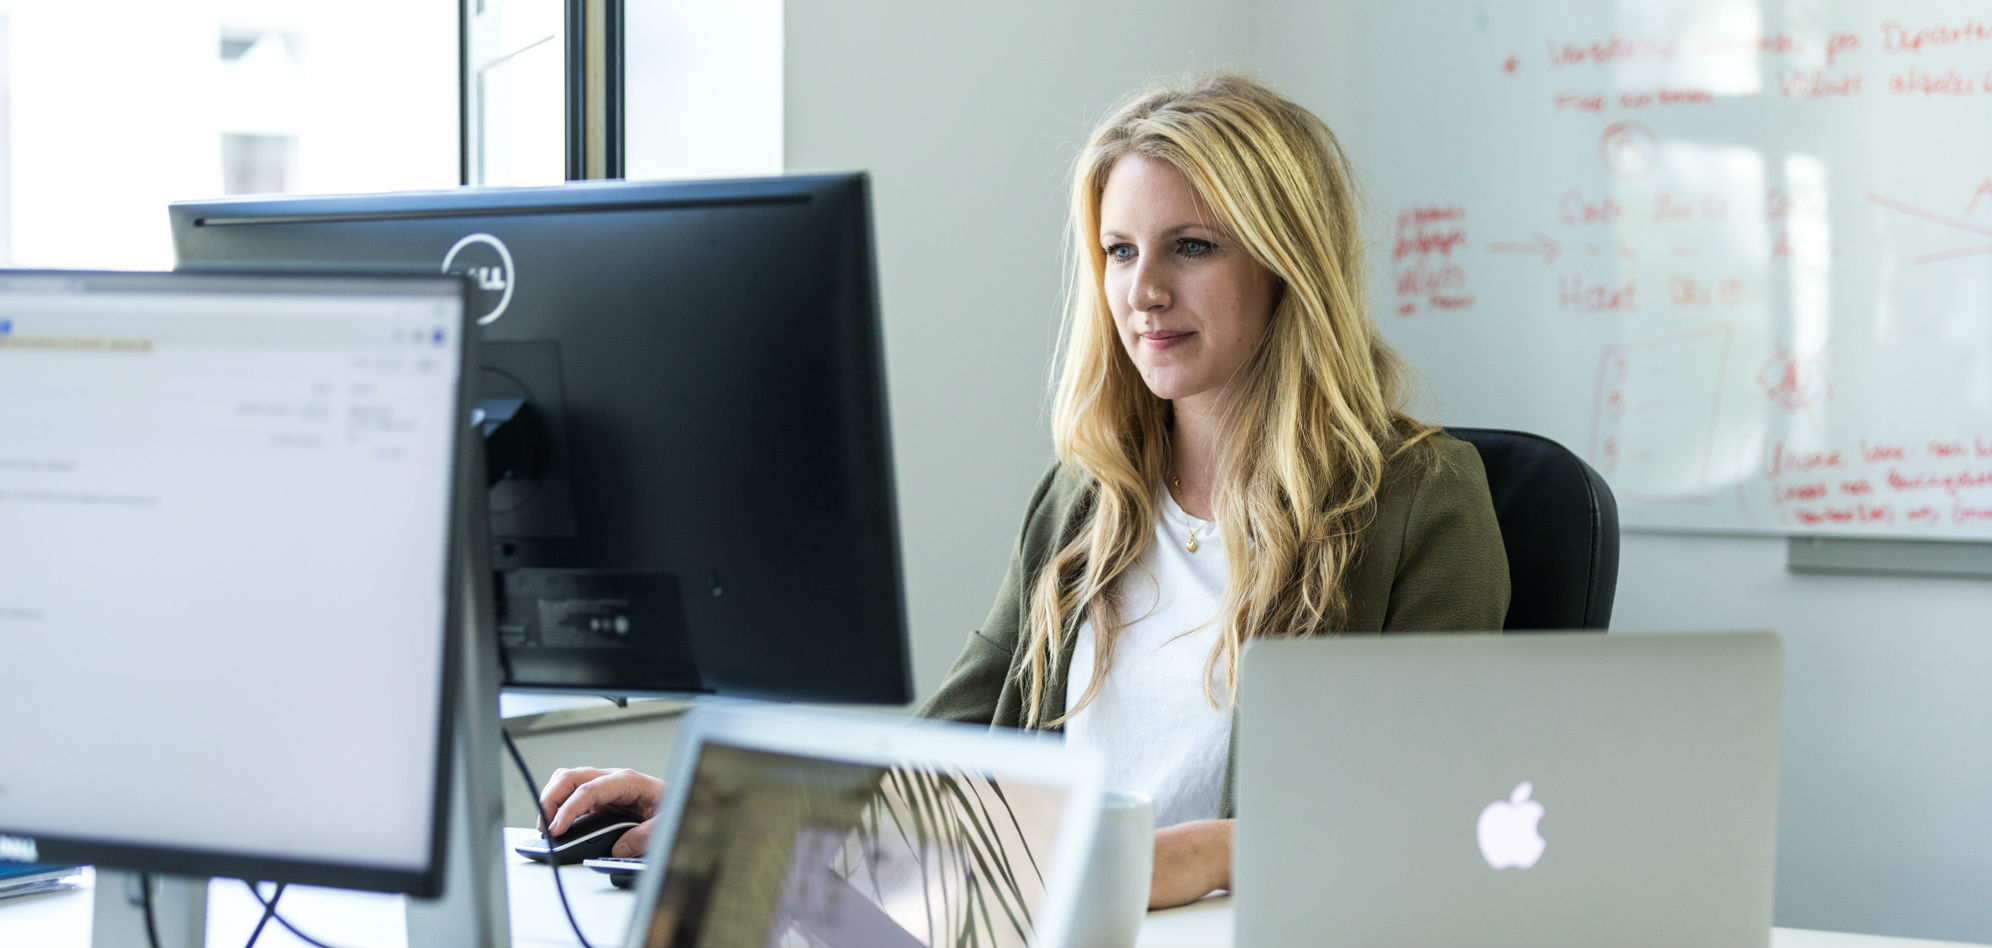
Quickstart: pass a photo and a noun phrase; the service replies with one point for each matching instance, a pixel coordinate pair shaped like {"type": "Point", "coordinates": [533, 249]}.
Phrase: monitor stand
{"type": "Point", "coordinates": [474, 908]}
{"type": "Point", "coordinates": [179, 910]}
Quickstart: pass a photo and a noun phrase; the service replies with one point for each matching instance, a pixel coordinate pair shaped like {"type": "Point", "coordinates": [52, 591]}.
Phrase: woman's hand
{"type": "Point", "coordinates": [575, 791]}
{"type": "Point", "coordinates": [1192, 860]}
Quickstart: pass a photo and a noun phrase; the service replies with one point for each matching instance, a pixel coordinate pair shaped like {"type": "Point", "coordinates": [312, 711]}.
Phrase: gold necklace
{"type": "Point", "coordinates": [1177, 483]}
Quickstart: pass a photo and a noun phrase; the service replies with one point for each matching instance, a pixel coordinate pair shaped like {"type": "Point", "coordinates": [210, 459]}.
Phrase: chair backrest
{"type": "Point", "coordinates": [1559, 524]}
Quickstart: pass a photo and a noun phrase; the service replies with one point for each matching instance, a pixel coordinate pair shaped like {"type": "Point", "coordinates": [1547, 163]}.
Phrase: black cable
{"type": "Point", "coordinates": [269, 912]}
{"type": "Point", "coordinates": [505, 675]}
{"type": "Point", "coordinates": [145, 898]}
{"type": "Point", "coordinates": [270, 906]}
{"type": "Point", "coordinates": [545, 823]}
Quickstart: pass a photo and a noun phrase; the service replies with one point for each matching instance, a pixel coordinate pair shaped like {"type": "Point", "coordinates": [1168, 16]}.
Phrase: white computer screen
{"type": "Point", "coordinates": [225, 515]}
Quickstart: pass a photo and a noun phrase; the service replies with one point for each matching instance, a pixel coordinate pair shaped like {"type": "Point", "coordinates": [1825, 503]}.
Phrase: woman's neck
{"type": "Point", "coordinates": [1193, 446]}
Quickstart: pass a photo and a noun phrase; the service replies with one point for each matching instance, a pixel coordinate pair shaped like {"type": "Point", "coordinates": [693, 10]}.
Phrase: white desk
{"type": "Point", "coordinates": [1208, 923]}
{"type": "Point", "coordinates": [337, 917]}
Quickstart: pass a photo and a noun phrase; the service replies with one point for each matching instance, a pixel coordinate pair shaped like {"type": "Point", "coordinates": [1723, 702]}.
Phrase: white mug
{"type": "Point", "coordinates": [1113, 897]}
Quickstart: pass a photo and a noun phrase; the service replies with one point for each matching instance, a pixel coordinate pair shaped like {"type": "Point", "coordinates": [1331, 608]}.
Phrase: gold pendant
{"type": "Point", "coordinates": [1193, 543]}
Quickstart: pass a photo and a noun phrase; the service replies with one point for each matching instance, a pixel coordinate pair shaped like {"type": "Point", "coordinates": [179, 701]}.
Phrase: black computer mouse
{"type": "Point", "coordinates": [590, 837]}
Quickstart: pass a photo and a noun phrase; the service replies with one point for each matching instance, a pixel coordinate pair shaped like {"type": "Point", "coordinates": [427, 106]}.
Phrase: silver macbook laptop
{"type": "Point", "coordinates": [801, 827]}
{"type": "Point", "coordinates": [1542, 789]}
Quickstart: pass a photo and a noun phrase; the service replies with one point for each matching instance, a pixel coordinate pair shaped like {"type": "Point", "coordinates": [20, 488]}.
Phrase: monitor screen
{"type": "Point", "coordinates": [781, 849]}
{"type": "Point", "coordinates": [813, 827]}
{"type": "Point", "coordinates": [225, 586]}
{"type": "Point", "coordinates": [682, 385]}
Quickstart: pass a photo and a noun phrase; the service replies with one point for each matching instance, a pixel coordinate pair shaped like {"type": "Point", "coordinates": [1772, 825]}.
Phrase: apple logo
{"type": "Point", "coordinates": [1507, 830]}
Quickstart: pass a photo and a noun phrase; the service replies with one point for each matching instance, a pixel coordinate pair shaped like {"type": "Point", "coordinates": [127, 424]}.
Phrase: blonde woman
{"type": "Point", "coordinates": [1232, 462]}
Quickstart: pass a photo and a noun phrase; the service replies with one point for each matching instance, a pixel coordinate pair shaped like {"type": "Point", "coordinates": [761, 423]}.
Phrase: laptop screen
{"type": "Point", "coordinates": [777, 849]}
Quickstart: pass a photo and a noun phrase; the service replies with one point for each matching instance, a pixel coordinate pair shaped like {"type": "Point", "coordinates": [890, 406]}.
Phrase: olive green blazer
{"type": "Point", "coordinates": [1430, 561]}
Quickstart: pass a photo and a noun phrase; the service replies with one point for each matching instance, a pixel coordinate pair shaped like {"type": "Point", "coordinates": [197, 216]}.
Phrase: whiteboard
{"type": "Point", "coordinates": [1737, 255]}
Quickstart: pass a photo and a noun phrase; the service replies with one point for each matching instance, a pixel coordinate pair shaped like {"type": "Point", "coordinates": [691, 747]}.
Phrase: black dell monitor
{"type": "Point", "coordinates": [682, 394]}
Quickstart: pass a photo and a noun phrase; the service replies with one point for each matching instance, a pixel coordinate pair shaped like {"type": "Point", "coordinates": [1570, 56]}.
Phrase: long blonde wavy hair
{"type": "Point", "coordinates": [1309, 421]}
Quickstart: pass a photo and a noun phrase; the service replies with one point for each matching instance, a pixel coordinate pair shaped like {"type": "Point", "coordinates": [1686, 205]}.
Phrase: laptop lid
{"type": "Point", "coordinates": [1519, 789]}
{"type": "Point", "coordinates": [806, 827]}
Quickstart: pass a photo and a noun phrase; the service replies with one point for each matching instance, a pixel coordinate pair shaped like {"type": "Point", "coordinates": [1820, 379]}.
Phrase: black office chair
{"type": "Point", "coordinates": [1559, 524]}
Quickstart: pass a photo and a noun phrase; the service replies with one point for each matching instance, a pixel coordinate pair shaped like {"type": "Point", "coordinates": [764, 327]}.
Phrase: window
{"type": "Point", "coordinates": [704, 92]}
{"type": "Point", "coordinates": [518, 73]}
{"type": "Point", "coordinates": [115, 108]}
{"type": "Point", "coordinates": [258, 164]}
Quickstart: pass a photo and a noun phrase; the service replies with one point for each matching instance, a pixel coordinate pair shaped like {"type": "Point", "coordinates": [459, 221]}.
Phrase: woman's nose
{"type": "Point", "coordinates": [1147, 290]}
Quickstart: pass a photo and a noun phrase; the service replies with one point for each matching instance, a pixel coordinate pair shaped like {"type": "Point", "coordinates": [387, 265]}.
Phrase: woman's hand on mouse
{"type": "Point", "coordinates": [574, 791]}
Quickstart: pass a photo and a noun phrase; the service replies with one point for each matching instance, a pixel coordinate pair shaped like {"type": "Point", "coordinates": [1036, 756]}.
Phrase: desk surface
{"type": "Point", "coordinates": [338, 917]}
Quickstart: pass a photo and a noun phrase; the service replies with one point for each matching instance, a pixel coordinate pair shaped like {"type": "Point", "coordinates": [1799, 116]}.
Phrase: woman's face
{"type": "Point", "coordinates": [1190, 305]}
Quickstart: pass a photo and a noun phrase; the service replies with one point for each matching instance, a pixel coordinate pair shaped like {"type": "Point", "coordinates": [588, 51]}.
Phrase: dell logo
{"type": "Point", "coordinates": [488, 263]}
{"type": "Point", "coordinates": [489, 278]}
{"type": "Point", "coordinates": [18, 849]}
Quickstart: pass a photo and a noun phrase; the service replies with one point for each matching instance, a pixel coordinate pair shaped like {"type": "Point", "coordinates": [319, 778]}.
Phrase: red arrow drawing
{"type": "Point", "coordinates": [1543, 245]}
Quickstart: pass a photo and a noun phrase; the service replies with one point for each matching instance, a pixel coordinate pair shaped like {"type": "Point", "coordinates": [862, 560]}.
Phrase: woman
{"type": "Point", "coordinates": [1233, 463]}
{"type": "Point", "coordinates": [1225, 401]}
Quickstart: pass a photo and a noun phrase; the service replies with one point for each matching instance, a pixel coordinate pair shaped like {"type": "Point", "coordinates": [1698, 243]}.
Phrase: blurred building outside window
{"type": "Point", "coordinates": [112, 109]}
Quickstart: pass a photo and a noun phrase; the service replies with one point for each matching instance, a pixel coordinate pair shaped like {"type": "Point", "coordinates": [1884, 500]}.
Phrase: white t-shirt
{"type": "Point", "coordinates": [1151, 720]}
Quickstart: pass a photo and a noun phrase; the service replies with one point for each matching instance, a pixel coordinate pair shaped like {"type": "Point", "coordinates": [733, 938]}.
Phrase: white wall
{"type": "Point", "coordinates": [1885, 808]}
{"type": "Point", "coordinates": [967, 117]}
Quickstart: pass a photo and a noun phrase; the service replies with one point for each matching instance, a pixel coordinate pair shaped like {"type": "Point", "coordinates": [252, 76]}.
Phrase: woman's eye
{"type": "Point", "coordinates": [1120, 252]}
{"type": "Point", "coordinates": [1192, 247]}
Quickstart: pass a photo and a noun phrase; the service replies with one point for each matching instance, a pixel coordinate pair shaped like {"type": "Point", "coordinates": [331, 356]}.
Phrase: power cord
{"type": "Point", "coordinates": [145, 898]}
{"type": "Point", "coordinates": [270, 911]}
{"type": "Point", "coordinates": [545, 822]}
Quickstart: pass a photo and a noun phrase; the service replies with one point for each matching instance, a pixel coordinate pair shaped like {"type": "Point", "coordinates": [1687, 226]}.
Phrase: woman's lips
{"type": "Point", "coordinates": [1164, 338]}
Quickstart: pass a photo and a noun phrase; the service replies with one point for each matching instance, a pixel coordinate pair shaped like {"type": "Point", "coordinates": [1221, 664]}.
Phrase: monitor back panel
{"type": "Point", "coordinates": [705, 359]}
{"type": "Point", "coordinates": [1388, 786]}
